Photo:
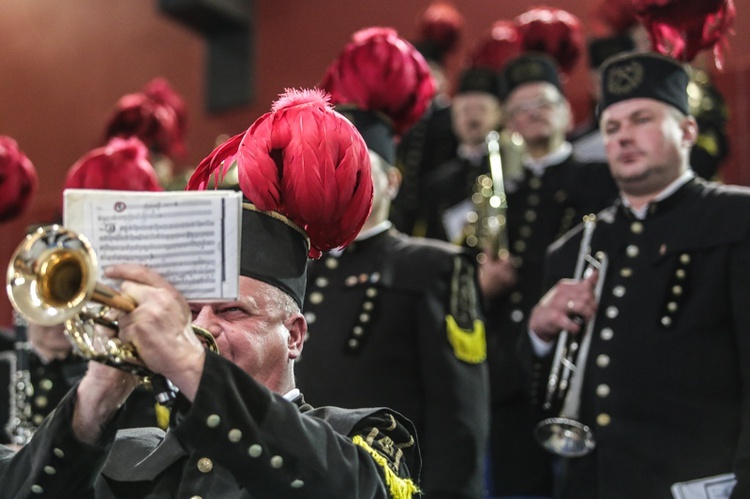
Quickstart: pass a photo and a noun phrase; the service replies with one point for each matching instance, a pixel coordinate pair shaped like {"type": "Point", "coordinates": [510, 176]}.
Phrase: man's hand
{"type": "Point", "coordinates": [565, 306]}
{"type": "Point", "coordinates": [159, 327]}
{"type": "Point", "coordinates": [496, 276]}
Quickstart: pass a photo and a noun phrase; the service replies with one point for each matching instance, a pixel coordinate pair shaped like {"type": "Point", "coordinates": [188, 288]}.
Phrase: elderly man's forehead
{"type": "Point", "coordinates": [629, 107]}
{"type": "Point", "coordinates": [534, 90]}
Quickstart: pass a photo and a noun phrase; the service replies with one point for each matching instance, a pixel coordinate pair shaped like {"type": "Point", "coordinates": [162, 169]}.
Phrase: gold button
{"type": "Point", "coordinates": [636, 227]}
{"type": "Point", "coordinates": [560, 196]}
{"type": "Point", "coordinates": [368, 305]}
{"type": "Point", "coordinates": [607, 333]}
{"type": "Point", "coordinates": [358, 331]}
{"type": "Point", "coordinates": [603, 419]}
{"type": "Point", "coordinates": [533, 199]}
{"type": "Point", "coordinates": [677, 290]}
{"type": "Point", "coordinates": [277, 462]}
{"type": "Point", "coordinates": [41, 401]}
{"type": "Point", "coordinates": [321, 282]}
{"type": "Point", "coordinates": [471, 241]}
{"type": "Point", "coordinates": [516, 297]}
{"type": "Point", "coordinates": [602, 390]}
{"type": "Point", "coordinates": [680, 273]}
{"type": "Point", "coordinates": [364, 317]}
{"type": "Point", "coordinates": [350, 281]}
{"type": "Point", "coordinates": [234, 435]}
{"type": "Point", "coordinates": [535, 182]}
{"type": "Point", "coordinates": [37, 489]}
{"type": "Point", "coordinates": [371, 292]}
{"type": "Point", "coordinates": [37, 419]}
{"type": "Point", "coordinates": [530, 215]}
{"type": "Point", "coordinates": [316, 297]}
{"type": "Point", "coordinates": [626, 272]}
{"type": "Point", "coordinates": [632, 251]}
{"type": "Point", "coordinates": [196, 497]}
{"type": "Point", "coordinates": [255, 450]}
{"type": "Point", "coordinates": [525, 231]}
{"type": "Point", "coordinates": [213, 421]}
{"type": "Point", "coordinates": [50, 470]}
{"type": "Point", "coordinates": [58, 452]}
{"type": "Point", "coordinates": [618, 291]}
{"type": "Point", "coordinates": [45, 384]}
{"type": "Point", "coordinates": [672, 306]}
{"type": "Point", "coordinates": [332, 262]}
{"type": "Point", "coordinates": [205, 465]}
{"type": "Point", "coordinates": [297, 484]}
{"type": "Point", "coordinates": [602, 360]}
{"type": "Point", "coordinates": [684, 258]}
{"type": "Point", "coordinates": [519, 246]}
{"type": "Point", "coordinates": [353, 343]}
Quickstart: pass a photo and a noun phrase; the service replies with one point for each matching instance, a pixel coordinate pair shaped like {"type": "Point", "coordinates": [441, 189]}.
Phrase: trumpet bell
{"type": "Point", "coordinates": [66, 259]}
{"type": "Point", "coordinates": [565, 437]}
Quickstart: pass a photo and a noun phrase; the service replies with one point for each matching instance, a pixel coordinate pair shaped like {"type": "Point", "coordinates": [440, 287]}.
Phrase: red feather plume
{"type": "Point", "coordinates": [613, 17]}
{"type": "Point", "coordinates": [379, 71]}
{"type": "Point", "coordinates": [18, 180]}
{"type": "Point", "coordinates": [122, 164]}
{"type": "Point", "coordinates": [556, 32]}
{"type": "Point", "coordinates": [441, 25]}
{"type": "Point", "coordinates": [157, 116]}
{"type": "Point", "coordinates": [304, 161]}
{"type": "Point", "coordinates": [499, 45]}
{"type": "Point", "coordinates": [682, 28]}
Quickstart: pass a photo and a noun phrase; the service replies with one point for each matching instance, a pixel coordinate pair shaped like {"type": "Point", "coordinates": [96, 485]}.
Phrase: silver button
{"type": "Point", "coordinates": [680, 273]}
{"type": "Point", "coordinates": [371, 292]}
{"type": "Point", "coordinates": [234, 435]}
{"type": "Point", "coordinates": [636, 227]}
{"type": "Point", "coordinates": [213, 421]}
{"type": "Point", "coordinates": [37, 489]}
{"type": "Point", "coordinates": [353, 343]}
{"type": "Point", "coordinates": [672, 306]}
{"type": "Point", "coordinates": [368, 305]}
{"type": "Point", "coordinates": [205, 465]}
{"type": "Point", "coordinates": [606, 333]}
{"type": "Point", "coordinates": [58, 452]}
{"type": "Point", "coordinates": [277, 462]}
{"type": "Point", "coordinates": [618, 291]}
{"type": "Point", "coordinates": [602, 360]}
{"type": "Point", "coordinates": [626, 272]}
{"type": "Point", "coordinates": [666, 321]}
{"type": "Point", "coordinates": [50, 470]}
{"type": "Point", "coordinates": [297, 484]}
{"type": "Point", "coordinates": [533, 199]}
{"type": "Point", "coordinates": [525, 231]}
{"type": "Point", "coordinates": [45, 384]}
{"type": "Point", "coordinates": [310, 317]}
{"type": "Point", "coordinates": [684, 258]}
{"type": "Point", "coordinates": [516, 315]}
{"type": "Point", "coordinates": [632, 251]}
{"type": "Point", "coordinates": [350, 281]}
{"type": "Point", "coordinates": [612, 312]}
{"type": "Point", "coordinates": [358, 331]}
{"type": "Point", "coordinates": [677, 290]}
{"type": "Point", "coordinates": [316, 297]}
{"type": "Point", "coordinates": [255, 450]}
{"type": "Point", "coordinates": [332, 262]}
{"type": "Point", "coordinates": [321, 282]}
{"type": "Point", "coordinates": [602, 390]}
{"type": "Point", "coordinates": [530, 215]}
{"type": "Point", "coordinates": [364, 317]}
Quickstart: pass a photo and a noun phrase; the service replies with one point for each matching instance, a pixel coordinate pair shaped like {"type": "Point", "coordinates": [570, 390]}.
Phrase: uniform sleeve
{"type": "Point", "coordinates": [739, 275]}
{"type": "Point", "coordinates": [273, 450]}
{"type": "Point", "coordinates": [54, 463]}
{"type": "Point", "coordinates": [452, 349]}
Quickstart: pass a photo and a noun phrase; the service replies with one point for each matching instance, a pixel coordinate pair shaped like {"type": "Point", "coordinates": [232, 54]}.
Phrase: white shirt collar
{"type": "Point", "coordinates": [291, 394]}
{"type": "Point", "coordinates": [374, 231]}
{"type": "Point", "coordinates": [538, 165]}
{"type": "Point", "coordinates": [664, 194]}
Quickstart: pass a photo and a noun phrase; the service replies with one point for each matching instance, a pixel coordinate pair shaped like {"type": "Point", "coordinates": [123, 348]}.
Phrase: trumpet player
{"type": "Point", "coordinates": [666, 390]}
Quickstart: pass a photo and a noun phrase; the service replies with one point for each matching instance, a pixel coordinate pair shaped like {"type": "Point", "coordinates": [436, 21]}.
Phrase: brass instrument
{"type": "Point", "coordinates": [486, 227]}
{"type": "Point", "coordinates": [52, 279]}
{"type": "Point", "coordinates": [564, 435]}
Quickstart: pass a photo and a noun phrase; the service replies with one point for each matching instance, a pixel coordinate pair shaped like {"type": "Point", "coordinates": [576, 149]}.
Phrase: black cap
{"type": "Point", "coordinates": [644, 75]}
{"type": "Point", "coordinates": [274, 250]}
{"type": "Point", "coordinates": [530, 68]}
{"type": "Point", "coordinates": [479, 80]}
{"type": "Point", "coordinates": [375, 128]}
{"type": "Point", "coordinates": [601, 49]}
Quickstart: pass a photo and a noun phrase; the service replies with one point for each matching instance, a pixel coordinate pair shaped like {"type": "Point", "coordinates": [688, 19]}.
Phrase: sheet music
{"type": "Point", "coordinates": [714, 487]}
{"type": "Point", "coordinates": [191, 238]}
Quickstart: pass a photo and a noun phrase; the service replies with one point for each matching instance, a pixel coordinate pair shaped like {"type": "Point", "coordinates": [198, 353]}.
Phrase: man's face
{"type": "Point", "coordinates": [646, 144]}
{"type": "Point", "coordinates": [50, 341]}
{"type": "Point", "coordinates": [259, 332]}
{"type": "Point", "coordinates": [538, 112]}
{"type": "Point", "coordinates": [475, 114]}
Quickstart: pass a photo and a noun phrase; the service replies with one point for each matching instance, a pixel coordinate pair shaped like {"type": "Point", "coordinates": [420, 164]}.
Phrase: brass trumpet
{"type": "Point", "coordinates": [564, 435]}
{"type": "Point", "coordinates": [52, 279]}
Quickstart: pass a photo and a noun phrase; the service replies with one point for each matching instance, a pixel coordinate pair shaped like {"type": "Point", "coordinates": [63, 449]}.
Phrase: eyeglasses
{"type": "Point", "coordinates": [532, 105]}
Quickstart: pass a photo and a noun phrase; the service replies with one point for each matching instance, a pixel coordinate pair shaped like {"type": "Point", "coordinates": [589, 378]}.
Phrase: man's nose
{"type": "Point", "coordinates": [207, 320]}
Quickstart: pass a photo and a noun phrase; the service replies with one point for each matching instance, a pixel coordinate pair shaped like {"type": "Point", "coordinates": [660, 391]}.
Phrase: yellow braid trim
{"type": "Point", "coordinates": [162, 416]}
{"type": "Point", "coordinates": [468, 345]}
{"type": "Point", "coordinates": [398, 488]}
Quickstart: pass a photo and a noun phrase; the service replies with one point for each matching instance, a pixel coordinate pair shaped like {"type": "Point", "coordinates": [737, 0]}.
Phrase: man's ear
{"type": "Point", "coordinates": [297, 327]}
{"type": "Point", "coordinates": [394, 182]}
{"type": "Point", "coordinates": [690, 131]}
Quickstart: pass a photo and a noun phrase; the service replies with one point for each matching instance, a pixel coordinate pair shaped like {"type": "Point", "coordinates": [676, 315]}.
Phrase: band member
{"type": "Point", "coordinates": [239, 427]}
{"type": "Point", "coordinates": [394, 320]}
{"type": "Point", "coordinates": [666, 387]}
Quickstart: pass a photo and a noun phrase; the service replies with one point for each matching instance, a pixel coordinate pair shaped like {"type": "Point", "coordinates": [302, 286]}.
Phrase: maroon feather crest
{"type": "Point", "coordinates": [682, 28]}
{"type": "Point", "coordinates": [379, 71]}
{"type": "Point", "coordinates": [441, 24]}
{"type": "Point", "coordinates": [556, 32]}
{"type": "Point", "coordinates": [613, 17]}
{"type": "Point", "coordinates": [499, 45]}
{"type": "Point", "coordinates": [304, 161]}
{"type": "Point", "coordinates": [122, 164]}
{"type": "Point", "coordinates": [18, 180]}
{"type": "Point", "coordinates": [157, 116]}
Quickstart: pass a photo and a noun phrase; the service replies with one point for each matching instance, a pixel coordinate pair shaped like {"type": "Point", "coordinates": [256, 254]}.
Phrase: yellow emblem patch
{"type": "Point", "coordinates": [469, 345]}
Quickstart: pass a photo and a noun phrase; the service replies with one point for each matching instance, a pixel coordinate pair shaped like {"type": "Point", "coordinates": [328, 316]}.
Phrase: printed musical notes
{"type": "Point", "coordinates": [191, 238]}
